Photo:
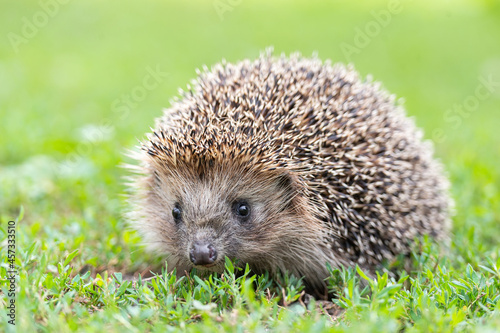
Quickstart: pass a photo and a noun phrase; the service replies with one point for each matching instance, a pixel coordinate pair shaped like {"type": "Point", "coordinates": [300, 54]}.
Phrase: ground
{"type": "Point", "coordinates": [81, 81]}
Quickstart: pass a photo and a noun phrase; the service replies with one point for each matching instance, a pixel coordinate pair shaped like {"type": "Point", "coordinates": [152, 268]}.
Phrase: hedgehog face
{"type": "Point", "coordinates": [210, 222]}
{"type": "Point", "coordinates": [205, 216]}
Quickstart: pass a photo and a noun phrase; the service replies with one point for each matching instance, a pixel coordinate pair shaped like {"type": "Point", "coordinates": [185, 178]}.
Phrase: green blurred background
{"type": "Point", "coordinates": [67, 70]}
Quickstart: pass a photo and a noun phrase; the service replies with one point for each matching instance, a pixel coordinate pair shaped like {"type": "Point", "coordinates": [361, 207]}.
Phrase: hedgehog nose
{"type": "Point", "coordinates": [203, 254]}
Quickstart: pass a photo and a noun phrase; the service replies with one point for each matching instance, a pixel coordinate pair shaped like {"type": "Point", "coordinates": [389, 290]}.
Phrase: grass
{"type": "Point", "coordinates": [66, 121]}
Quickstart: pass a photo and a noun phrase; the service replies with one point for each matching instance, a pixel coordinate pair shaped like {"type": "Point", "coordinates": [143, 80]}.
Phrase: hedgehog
{"type": "Point", "coordinates": [287, 164]}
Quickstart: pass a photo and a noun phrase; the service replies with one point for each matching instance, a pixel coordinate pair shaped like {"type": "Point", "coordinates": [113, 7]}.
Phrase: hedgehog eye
{"type": "Point", "coordinates": [242, 209]}
{"type": "Point", "coordinates": [177, 213]}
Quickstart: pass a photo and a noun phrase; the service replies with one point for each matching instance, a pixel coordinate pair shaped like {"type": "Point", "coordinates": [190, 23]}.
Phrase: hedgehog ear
{"type": "Point", "coordinates": [285, 186]}
{"type": "Point", "coordinates": [284, 182]}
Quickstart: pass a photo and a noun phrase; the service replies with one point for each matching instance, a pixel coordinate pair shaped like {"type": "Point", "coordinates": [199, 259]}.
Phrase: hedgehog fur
{"type": "Point", "coordinates": [286, 164]}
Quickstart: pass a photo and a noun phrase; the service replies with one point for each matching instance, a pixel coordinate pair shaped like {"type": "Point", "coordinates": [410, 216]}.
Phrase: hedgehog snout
{"type": "Point", "coordinates": [203, 254]}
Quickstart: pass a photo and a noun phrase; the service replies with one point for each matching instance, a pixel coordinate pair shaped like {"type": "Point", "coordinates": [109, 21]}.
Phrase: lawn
{"type": "Point", "coordinates": [76, 93]}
